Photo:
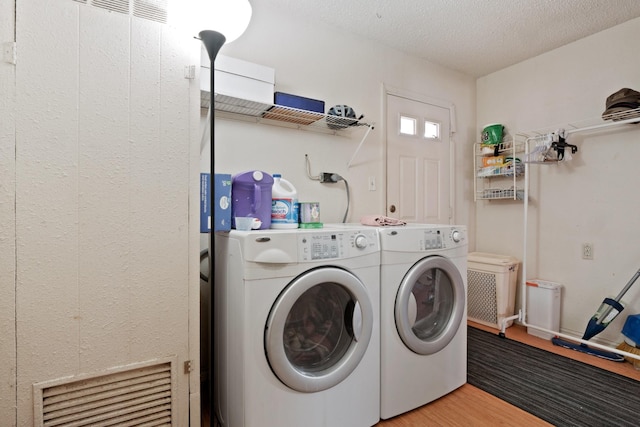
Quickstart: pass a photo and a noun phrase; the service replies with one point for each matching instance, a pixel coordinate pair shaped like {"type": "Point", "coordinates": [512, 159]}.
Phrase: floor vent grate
{"type": "Point", "coordinates": [136, 396]}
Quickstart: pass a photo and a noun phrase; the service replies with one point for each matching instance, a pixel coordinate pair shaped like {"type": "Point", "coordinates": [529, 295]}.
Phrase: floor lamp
{"type": "Point", "coordinates": [230, 17]}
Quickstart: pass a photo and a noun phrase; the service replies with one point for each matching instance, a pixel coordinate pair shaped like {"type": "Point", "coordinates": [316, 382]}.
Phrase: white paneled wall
{"type": "Point", "coordinates": [7, 221]}
{"type": "Point", "coordinates": [104, 200]}
{"type": "Point", "coordinates": [104, 169]}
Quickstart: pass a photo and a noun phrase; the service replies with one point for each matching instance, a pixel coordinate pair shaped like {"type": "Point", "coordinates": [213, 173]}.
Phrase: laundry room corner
{"type": "Point", "coordinates": [581, 200]}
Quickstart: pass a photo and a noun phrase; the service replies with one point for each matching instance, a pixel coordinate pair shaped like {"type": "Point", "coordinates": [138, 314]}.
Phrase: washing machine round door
{"type": "Point", "coordinates": [430, 305]}
{"type": "Point", "coordinates": [319, 329]}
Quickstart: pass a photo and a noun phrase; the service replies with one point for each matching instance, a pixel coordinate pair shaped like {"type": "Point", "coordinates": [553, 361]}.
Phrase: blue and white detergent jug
{"type": "Point", "coordinates": [284, 203]}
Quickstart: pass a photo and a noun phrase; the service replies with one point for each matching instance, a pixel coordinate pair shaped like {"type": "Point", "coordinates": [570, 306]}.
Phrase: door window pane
{"type": "Point", "coordinates": [431, 130]}
{"type": "Point", "coordinates": [408, 125]}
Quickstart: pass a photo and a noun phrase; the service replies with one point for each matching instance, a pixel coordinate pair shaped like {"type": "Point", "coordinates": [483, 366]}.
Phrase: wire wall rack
{"type": "Point", "coordinates": [279, 115]}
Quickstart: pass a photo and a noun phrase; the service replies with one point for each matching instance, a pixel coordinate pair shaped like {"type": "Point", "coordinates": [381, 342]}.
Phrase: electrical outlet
{"type": "Point", "coordinates": [587, 251]}
{"type": "Point", "coordinates": [329, 177]}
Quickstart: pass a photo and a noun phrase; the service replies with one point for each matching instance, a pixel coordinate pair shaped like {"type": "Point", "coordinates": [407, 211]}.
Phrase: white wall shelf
{"type": "Point", "coordinates": [278, 115]}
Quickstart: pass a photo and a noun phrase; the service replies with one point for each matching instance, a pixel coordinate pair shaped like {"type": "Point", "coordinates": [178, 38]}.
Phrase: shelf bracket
{"type": "Point", "coordinates": [370, 128]}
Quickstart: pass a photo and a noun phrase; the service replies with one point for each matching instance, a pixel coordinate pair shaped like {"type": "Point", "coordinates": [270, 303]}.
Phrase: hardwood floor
{"type": "Point", "coordinates": [465, 407]}
{"type": "Point", "coordinates": [469, 406]}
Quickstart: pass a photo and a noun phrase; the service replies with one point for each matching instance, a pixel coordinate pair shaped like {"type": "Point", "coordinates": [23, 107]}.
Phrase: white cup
{"type": "Point", "coordinates": [244, 223]}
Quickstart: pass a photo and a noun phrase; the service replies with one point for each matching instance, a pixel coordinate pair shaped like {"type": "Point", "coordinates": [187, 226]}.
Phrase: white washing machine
{"type": "Point", "coordinates": [297, 338]}
{"type": "Point", "coordinates": [423, 330]}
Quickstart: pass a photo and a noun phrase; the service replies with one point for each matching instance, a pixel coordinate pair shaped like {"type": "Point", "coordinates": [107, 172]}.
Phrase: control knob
{"type": "Point", "coordinates": [456, 236]}
{"type": "Point", "coordinates": [360, 241]}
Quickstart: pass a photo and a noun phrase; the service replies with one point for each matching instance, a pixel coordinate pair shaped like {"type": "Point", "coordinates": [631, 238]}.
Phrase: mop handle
{"type": "Point", "coordinates": [626, 288]}
{"type": "Point", "coordinates": [619, 297]}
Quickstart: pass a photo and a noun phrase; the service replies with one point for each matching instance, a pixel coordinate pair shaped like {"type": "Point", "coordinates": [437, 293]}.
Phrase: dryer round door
{"type": "Point", "coordinates": [319, 329]}
{"type": "Point", "coordinates": [430, 305]}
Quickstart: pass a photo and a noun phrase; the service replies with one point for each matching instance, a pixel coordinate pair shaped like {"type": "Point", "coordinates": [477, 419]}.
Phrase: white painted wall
{"type": "Point", "coordinates": [590, 199]}
{"type": "Point", "coordinates": [314, 60]}
{"type": "Point", "coordinates": [7, 219]}
{"type": "Point", "coordinates": [104, 160]}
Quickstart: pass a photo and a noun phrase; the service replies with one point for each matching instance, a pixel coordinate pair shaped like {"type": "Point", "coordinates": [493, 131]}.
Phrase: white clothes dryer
{"type": "Point", "coordinates": [423, 280]}
{"type": "Point", "coordinates": [296, 328]}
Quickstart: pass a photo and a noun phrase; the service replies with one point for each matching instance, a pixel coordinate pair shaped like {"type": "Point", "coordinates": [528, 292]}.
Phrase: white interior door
{"type": "Point", "coordinates": [418, 161]}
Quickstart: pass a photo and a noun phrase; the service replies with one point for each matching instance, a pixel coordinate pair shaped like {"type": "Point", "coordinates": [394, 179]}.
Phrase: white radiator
{"type": "Point", "coordinates": [134, 395]}
{"type": "Point", "coordinates": [491, 294]}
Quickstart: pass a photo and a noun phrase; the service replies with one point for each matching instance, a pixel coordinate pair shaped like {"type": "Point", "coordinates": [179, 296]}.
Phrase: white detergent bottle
{"type": "Point", "coordinates": [284, 203]}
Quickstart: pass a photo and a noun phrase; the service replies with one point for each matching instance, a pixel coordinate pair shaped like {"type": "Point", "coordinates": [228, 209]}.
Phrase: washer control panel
{"type": "Point", "coordinates": [336, 244]}
{"type": "Point", "coordinates": [323, 246]}
{"type": "Point", "coordinates": [432, 240]}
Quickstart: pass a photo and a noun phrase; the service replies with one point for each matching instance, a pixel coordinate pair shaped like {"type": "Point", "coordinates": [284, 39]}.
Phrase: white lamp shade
{"type": "Point", "coordinates": [228, 17]}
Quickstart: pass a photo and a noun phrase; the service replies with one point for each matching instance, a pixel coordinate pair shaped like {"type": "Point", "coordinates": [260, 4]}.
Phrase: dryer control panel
{"type": "Point", "coordinates": [423, 238]}
{"type": "Point", "coordinates": [336, 244]}
{"type": "Point", "coordinates": [443, 238]}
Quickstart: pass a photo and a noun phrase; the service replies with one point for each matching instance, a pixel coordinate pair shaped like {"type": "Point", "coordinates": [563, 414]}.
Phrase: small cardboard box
{"type": "Point", "coordinates": [237, 78]}
{"type": "Point", "coordinates": [222, 205]}
{"type": "Point", "coordinates": [493, 161]}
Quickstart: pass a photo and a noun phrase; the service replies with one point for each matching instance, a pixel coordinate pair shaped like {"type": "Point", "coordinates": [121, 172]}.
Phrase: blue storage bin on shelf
{"type": "Point", "coordinates": [295, 109]}
{"type": "Point", "coordinates": [299, 102]}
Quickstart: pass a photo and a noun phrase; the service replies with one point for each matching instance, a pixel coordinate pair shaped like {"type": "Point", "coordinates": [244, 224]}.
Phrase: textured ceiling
{"type": "Point", "coordinates": [476, 37]}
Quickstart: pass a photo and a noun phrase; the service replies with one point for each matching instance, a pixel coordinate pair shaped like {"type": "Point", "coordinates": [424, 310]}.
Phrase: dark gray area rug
{"type": "Point", "coordinates": [559, 390]}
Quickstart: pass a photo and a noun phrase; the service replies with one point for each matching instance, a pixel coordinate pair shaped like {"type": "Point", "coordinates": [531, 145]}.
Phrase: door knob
{"type": "Point", "coordinates": [392, 208]}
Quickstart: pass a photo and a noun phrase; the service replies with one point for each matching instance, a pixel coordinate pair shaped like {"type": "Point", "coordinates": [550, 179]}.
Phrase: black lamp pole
{"type": "Point", "coordinates": [212, 41]}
